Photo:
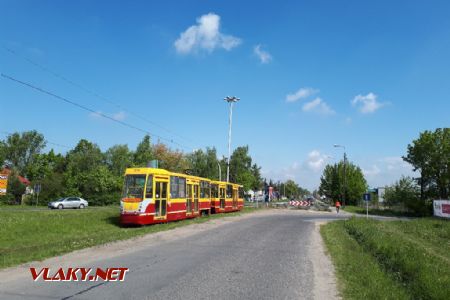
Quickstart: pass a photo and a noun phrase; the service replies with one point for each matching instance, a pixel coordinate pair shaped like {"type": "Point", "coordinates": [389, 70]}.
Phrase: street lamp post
{"type": "Point", "coordinates": [220, 171]}
{"type": "Point", "coordinates": [230, 100]}
{"type": "Point", "coordinates": [345, 165]}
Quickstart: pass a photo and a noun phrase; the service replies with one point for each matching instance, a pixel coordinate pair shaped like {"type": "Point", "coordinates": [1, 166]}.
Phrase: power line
{"type": "Point", "coordinates": [92, 92]}
{"type": "Point", "coordinates": [90, 110]}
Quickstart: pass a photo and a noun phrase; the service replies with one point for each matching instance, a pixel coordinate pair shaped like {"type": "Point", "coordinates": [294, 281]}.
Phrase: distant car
{"type": "Point", "coordinates": [68, 202]}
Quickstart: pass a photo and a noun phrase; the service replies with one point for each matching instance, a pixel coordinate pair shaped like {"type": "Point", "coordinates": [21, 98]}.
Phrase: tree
{"type": "Point", "coordinates": [144, 153]}
{"type": "Point", "coordinates": [44, 165]}
{"type": "Point", "coordinates": [212, 169]}
{"type": "Point", "coordinates": [52, 187]}
{"type": "Point", "coordinates": [257, 179]}
{"type": "Point", "coordinates": [291, 189]}
{"type": "Point", "coordinates": [405, 192]}
{"type": "Point", "coordinates": [430, 155]}
{"type": "Point", "coordinates": [332, 182]}
{"type": "Point", "coordinates": [242, 171]}
{"type": "Point", "coordinates": [99, 186]}
{"type": "Point", "coordinates": [15, 187]}
{"type": "Point", "coordinates": [118, 158]}
{"type": "Point", "coordinates": [170, 160]}
{"type": "Point", "coordinates": [240, 162]}
{"type": "Point", "coordinates": [85, 157]}
{"type": "Point", "coordinates": [197, 163]}
{"type": "Point", "coordinates": [303, 192]}
{"type": "Point", "coordinates": [21, 149]}
{"type": "Point", "coordinates": [2, 153]}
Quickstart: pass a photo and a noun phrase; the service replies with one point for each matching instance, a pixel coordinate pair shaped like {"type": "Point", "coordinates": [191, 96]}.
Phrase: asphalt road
{"type": "Point", "coordinates": [259, 257]}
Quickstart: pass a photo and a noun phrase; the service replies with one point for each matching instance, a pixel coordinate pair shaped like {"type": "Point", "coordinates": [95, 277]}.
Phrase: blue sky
{"type": "Point", "coordinates": [310, 74]}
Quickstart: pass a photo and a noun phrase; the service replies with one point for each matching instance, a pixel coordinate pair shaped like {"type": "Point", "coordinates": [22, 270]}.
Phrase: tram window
{"type": "Point", "coordinates": [207, 190]}
{"type": "Point", "coordinates": [204, 189]}
{"type": "Point", "coordinates": [164, 190]}
{"type": "Point", "coordinates": [214, 191]}
{"type": "Point", "coordinates": [174, 192]}
{"type": "Point", "coordinates": [177, 187]}
{"type": "Point", "coordinates": [149, 189]}
{"type": "Point", "coordinates": [158, 190]}
{"type": "Point", "coordinates": [241, 192]}
{"type": "Point", "coordinates": [181, 187]}
{"type": "Point", "coordinates": [229, 190]}
{"type": "Point", "coordinates": [134, 186]}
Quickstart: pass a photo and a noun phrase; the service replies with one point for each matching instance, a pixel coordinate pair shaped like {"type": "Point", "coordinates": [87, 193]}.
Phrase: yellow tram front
{"type": "Point", "coordinates": [145, 196]}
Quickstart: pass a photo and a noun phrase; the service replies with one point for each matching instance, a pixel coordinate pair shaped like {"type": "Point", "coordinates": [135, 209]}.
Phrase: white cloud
{"type": "Point", "coordinates": [316, 161]}
{"type": "Point", "coordinates": [372, 171]}
{"type": "Point", "coordinates": [95, 115]}
{"type": "Point", "coordinates": [318, 106]}
{"type": "Point", "coordinates": [302, 93]}
{"type": "Point", "coordinates": [367, 104]}
{"type": "Point", "coordinates": [119, 116]}
{"type": "Point", "coordinates": [386, 170]}
{"type": "Point", "coordinates": [205, 35]}
{"type": "Point", "coordinates": [306, 174]}
{"type": "Point", "coordinates": [263, 56]}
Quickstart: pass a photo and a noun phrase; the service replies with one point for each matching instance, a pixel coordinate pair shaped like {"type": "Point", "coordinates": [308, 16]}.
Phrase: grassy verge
{"type": "Point", "coordinates": [35, 235]}
{"type": "Point", "coordinates": [391, 260]}
{"type": "Point", "coordinates": [377, 212]}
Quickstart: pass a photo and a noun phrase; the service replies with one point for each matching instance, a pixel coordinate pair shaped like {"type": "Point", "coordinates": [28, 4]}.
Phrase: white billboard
{"type": "Point", "coordinates": [441, 208]}
{"type": "Point", "coordinates": [381, 191]}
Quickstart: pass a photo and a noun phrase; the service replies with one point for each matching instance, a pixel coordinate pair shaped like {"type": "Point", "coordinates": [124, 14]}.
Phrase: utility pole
{"type": "Point", "coordinates": [345, 178]}
{"type": "Point", "coordinates": [230, 100]}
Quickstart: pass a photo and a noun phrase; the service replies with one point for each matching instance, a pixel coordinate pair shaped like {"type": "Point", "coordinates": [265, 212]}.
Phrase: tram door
{"type": "Point", "coordinates": [160, 200]}
{"type": "Point", "coordinates": [235, 198]}
{"type": "Point", "coordinates": [196, 197]}
{"type": "Point", "coordinates": [189, 199]}
{"type": "Point", "coordinates": [222, 197]}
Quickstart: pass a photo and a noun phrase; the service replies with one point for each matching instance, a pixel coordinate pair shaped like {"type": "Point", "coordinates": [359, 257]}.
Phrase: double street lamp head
{"type": "Point", "coordinates": [231, 99]}
{"type": "Point", "coordinates": [337, 145]}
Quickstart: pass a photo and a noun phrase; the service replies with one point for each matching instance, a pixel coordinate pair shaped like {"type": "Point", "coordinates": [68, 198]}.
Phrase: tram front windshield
{"type": "Point", "coordinates": [134, 186]}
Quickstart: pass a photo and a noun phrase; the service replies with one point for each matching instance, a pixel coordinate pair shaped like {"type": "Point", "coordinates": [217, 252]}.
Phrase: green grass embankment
{"type": "Point", "coordinates": [390, 260]}
{"type": "Point", "coordinates": [27, 235]}
{"type": "Point", "coordinates": [377, 211]}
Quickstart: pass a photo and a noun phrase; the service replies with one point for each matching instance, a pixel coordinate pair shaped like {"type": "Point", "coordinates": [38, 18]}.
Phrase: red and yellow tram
{"type": "Point", "coordinates": [156, 196]}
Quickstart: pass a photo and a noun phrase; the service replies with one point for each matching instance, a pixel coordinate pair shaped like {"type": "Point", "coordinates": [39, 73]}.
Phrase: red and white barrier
{"type": "Point", "coordinates": [299, 203]}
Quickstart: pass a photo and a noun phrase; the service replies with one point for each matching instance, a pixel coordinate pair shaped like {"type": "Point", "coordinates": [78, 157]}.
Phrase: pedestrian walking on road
{"type": "Point", "coordinates": [338, 205]}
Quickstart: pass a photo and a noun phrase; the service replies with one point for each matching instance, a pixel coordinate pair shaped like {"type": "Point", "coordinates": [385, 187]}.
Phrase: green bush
{"type": "Point", "coordinates": [406, 193]}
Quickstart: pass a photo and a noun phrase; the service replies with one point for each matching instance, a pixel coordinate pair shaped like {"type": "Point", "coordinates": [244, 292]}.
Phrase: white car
{"type": "Point", "coordinates": [68, 202]}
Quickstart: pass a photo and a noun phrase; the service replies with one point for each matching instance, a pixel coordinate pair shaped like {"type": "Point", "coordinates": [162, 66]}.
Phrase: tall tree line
{"type": "Point", "coordinates": [98, 176]}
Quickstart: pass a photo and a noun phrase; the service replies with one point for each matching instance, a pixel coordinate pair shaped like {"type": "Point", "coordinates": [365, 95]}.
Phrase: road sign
{"type": "Point", "coordinates": [367, 197]}
{"type": "Point", "coordinates": [299, 203]}
{"type": "Point", "coordinates": [37, 188]}
{"type": "Point", "coordinates": [3, 183]}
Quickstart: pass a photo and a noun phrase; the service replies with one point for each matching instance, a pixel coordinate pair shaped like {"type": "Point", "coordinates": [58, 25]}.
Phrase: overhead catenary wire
{"type": "Point", "coordinates": [89, 91]}
{"type": "Point", "coordinates": [46, 141]}
{"type": "Point", "coordinates": [90, 110]}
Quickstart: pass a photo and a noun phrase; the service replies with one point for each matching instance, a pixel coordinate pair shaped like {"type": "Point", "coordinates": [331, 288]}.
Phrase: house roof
{"type": "Point", "coordinates": [21, 178]}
